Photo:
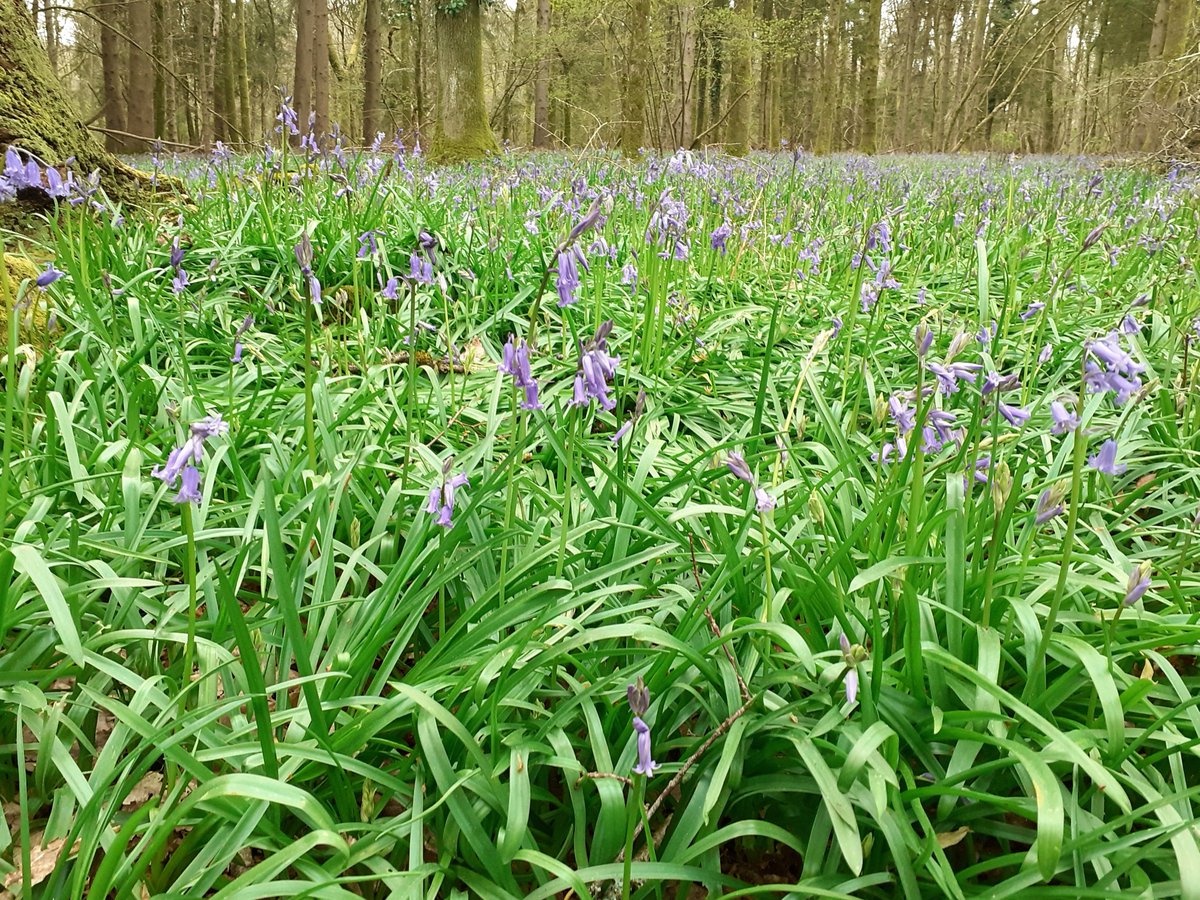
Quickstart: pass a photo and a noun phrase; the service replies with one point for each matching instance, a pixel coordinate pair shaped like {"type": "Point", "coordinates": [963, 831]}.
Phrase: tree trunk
{"type": "Point", "coordinates": [687, 72]}
{"type": "Point", "coordinates": [542, 138]}
{"type": "Point", "coordinates": [37, 117]}
{"type": "Point", "coordinates": [302, 86]}
{"type": "Point", "coordinates": [1050, 77]}
{"type": "Point", "coordinates": [321, 65]}
{"type": "Point", "coordinates": [766, 12]}
{"type": "Point", "coordinates": [633, 105]}
{"type": "Point", "coordinates": [829, 101]}
{"type": "Point", "coordinates": [737, 123]}
{"type": "Point", "coordinates": [114, 101]}
{"type": "Point", "coordinates": [372, 70]}
{"type": "Point", "coordinates": [243, 71]}
{"type": "Point", "coordinates": [462, 123]}
{"type": "Point", "coordinates": [870, 77]}
{"type": "Point", "coordinates": [160, 81]}
{"type": "Point", "coordinates": [140, 118]}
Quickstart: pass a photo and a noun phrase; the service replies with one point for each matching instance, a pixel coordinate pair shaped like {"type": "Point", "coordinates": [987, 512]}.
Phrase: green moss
{"type": "Point", "coordinates": [470, 146]}
{"type": "Point", "coordinates": [32, 324]}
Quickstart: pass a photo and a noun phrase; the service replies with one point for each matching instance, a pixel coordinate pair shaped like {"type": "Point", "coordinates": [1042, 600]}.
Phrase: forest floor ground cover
{"type": "Point", "coordinates": [571, 526]}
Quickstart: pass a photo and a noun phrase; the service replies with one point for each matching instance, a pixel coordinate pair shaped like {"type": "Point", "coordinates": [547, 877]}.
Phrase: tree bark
{"type": "Point", "coordinates": [687, 72]}
{"type": "Point", "coordinates": [114, 101]}
{"type": "Point", "coordinates": [243, 71]}
{"type": "Point", "coordinates": [462, 122]}
{"type": "Point", "coordinates": [870, 76]}
{"type": "Point", "coordinates": [37, 117]}
{"type": "Point", "coordinates": [829, 100]}
{"type": "Point", "coordinates": [139, 119]}
{"type": "Point", "coordinates": [737, 125]}
{"type": "Point", "coordinates": [633, 105]}
{"type": "Point", "coordinates": [321, 65]}
{"type": "Point", "coordinates": [372, 70]}
{"type": "Point", "coordinates": [302, 84]}
{"type": "Point", "coordinates": [542, 138]}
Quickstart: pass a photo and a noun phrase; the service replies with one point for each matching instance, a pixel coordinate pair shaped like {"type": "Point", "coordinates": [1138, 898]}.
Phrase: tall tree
{"type": "Point", "coordinates": [372, 70]}
{"type": "Point", "coordinates": [869, 83]}
{"type": "Point", "coordinates": [321, 65]}
{"type": "Point", "coordinates": [633, 105]}
{"type": "Point", "coordinates": [302, 82]}
{"type": "Point", "coordinates": [114, 95]}
{"type": "Point", "coordinates": [737, 123]}
{"type": "Point", "coordinates": [139, 118]}
{"type": "Point", "coordinates": [541, 83]}
{"type": "Point", "coordinates": [462, 130]}
{"type": "Point", "coordinates": [243, 71]}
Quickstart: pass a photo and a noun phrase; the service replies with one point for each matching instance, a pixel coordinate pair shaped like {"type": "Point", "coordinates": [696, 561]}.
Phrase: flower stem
{"type": "Point", "coordinates": [189, 572]}
{"type": "Point", "coordinates": [631, 823]}
{"type": "Point", "coordinates": [309, 430]}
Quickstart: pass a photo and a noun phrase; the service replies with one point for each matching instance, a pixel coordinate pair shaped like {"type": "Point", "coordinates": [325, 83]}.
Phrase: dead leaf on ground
{"type": "Point", "coordinates": [150, 786]}
{"type": "Point", "coordinates": [42, 860]}
{"type": "Point", "coordinates": [948, 839]}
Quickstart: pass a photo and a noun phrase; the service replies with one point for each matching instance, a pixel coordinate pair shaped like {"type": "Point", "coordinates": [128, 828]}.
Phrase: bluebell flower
{"type": "Point", "coordinates": [1064, 419]}
{"type": "Point", "coordinates": [1032, 310]}
{"type": "Point", "coordinates": [949, 375]}
{"type": "Point", "coordinates": [420, 270]}
{"type": "Point", "coordinates": [1106, 460]}
{"type": "Point", "coordinates": [1050, 503]}
{"type": "Point", "coordinates": [49, 276]}
{"type": "Point", "coordinates": [720, 235]}
{"type": "Point", "coordinates": [566, 280]}
{"type": "Point", "coordinates": [182, 461]}
{"type": "Point", "coordinates": [390, 289]}
{"type": "Point", "coordinates": [1014, 415]}
{"type": "Point", "coordinates": [645, 764]}
{"type": "Point", "coordinates": [189, 486]}
{"type": "Point", "coordinates": [442, 497]}
{"type": "Point", "coordinates": [1138, 584]}
{"type": "Point", "coordinates": [923, 338]}
{"type": "Point", "coordinates": [851, 682]}
{"type": "Point", "coordinates": [837, 323]}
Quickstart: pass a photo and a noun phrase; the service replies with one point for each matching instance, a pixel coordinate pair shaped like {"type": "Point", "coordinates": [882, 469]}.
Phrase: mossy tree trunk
{"type": "Point", "coordinates": [462, 121]}
{"type": "Point", "coordinates": [372, 70]}
{"type": "Point", "coordinates": [37, 117]}
{"type": "Point", "coordinates": [737, 122]}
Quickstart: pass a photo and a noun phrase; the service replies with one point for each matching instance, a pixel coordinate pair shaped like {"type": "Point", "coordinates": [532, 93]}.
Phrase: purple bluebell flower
{"type": "Point", "coordinates": [442, 496]}
{"type": "Point", "coordinates": [1138, 583]}
{"type": "Point", "coordinates": [176, 253]}
{"type": "Point", "coordinates": [188, 455]}
{"type": "Point", "coordinates": [566, 278]}
{"type": "Point", "coordinates": [629, 275]}
{"type": "Point", "coordinates": [189, 486]}
{"type": "Point", "coordinates": [1032, 310]}
{"type": "Point", "coordinates": [391, 288]}
{"type": "Point", "coordinates": [586, 224]}
{"type": "Point", "coordinates": [923, 338]}
{"type": "Point", "coordinates": [1050, 504]}
{"type": "Point", "coordinates": [1014, 415]}
{"type": "Point", "coordinates": [367, 245]}
{"type": "Point", "coordinates": [180, 282]}
{"type": "Point", "coordinates": [49, 276]}
{"type": "Point", "coordinates": [246, 325]}
{"type": "Point", "coordinates": [645, 764]}
{"type": "Point", "coordinates": [902, 414]}
{"type": "Point", "coordinates": [1130, 325]}
{"type": "Point", "coordinates": [737, 465]}
{"type": "Point", "coordinates": [837, 323]}
{"type": "Point", "coordinates": [1064, 419]}
{"type": "Point", "coordinates": [1044, 356]}
{"type": "Point", "coordinates": [420, 269]}
{"type": "Point", "coordinates": [1094, 235]}
{"type": "Point", "coordinates": [763, 501]}
{"type": "Point", "coordinates": [949, 375]}
{"type": "Point", "coordinates": [987, 334]}
{"type": "Point", "coordinates": [1106, 460]}
{"type": "Point", "coordinates": [597, 368]}
{"type": "Point", "coordinates": [720, 235]}
{"type": "Point", "coordinates": [621, 432]}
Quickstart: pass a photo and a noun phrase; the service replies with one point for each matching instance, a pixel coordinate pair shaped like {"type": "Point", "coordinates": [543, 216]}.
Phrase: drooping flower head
{"type": "Point", "coordinates": [183, 460]}
{"type": "Point", "coordinates": [1105, 461]}
{"type": "Point", "coordinates": [1138, 584]}
{"type": "Point", "coordinates": [442, 495]}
